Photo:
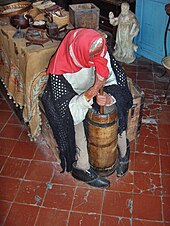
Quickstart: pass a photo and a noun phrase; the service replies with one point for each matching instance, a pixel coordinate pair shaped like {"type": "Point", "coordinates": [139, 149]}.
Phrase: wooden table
{"type": "Point", "coordinates": [22, 71]}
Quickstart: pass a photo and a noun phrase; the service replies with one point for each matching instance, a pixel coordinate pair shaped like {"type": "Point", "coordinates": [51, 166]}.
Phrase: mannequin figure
{"type": "Point", "coordinates": [128, 28]}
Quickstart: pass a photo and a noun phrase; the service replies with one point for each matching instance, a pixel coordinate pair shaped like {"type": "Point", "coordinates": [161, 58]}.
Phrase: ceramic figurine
{"type": "Point", "coordinates": [128, 28]}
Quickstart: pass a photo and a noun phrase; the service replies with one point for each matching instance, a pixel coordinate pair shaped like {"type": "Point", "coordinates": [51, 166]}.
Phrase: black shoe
{"type": "Point", "coordinates": [90, 177]}
{"type": "Point", "coordinates": [123, 162]}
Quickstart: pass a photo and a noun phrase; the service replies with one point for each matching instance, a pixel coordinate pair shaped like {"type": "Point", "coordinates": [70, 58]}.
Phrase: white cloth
{"type": "Point", "coordinates": [81, 81]}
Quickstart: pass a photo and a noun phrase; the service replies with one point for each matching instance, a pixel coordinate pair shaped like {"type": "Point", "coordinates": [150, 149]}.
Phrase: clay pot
{"type": "Point", "coordinates": [21, 21]}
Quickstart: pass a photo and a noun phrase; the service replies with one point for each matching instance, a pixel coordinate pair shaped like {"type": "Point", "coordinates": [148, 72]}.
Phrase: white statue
{"type": "Point", "coordinates": [128, 28]}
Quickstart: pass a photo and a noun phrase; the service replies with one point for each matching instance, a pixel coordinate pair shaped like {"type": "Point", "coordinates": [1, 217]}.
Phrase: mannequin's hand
{"type": "Point", "coordinates": [111, 15]}
{"type": "Point", "coordinates": [104, 99]}
{"type": "Point", "coordinates": [94, 90]}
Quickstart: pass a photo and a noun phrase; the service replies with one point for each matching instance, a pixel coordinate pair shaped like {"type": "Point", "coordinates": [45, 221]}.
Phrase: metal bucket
{"type": "Point", "coordinates": [102, 141]}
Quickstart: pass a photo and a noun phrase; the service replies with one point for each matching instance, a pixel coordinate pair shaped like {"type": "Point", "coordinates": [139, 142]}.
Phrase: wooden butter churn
{"type": "Point", "coordinates": [102, 140]}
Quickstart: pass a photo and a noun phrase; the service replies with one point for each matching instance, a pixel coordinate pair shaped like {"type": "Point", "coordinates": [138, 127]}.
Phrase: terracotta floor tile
{"type": "Point", "coordinates": [166, 208]}
{"type": "Point", "coordinates": [44, 153]}
{"type": "Point", "coordinates": [164, 131]}
{"type": "Point", "coordinates": [147, 163]}
{"type": "Point", "coordinates": [165, 107]}
{"type": "Point", "coordinates": [52, 217]}
{"type": "Point", "coordinates": [6, 146]}
{"type": "Point", "coordinates": [164, 117]}
{"type": "Point", "coordinates": [132, 75]}
{"type": "Point", "coordinates": [114, 221]}
{"type": "Point", "coordinates": [148, 94]}
{"type": "Point", "coordinates": [147, 145]}
{"type": "Point", "coordinates": [146, 84]}
{"type": "Point", "coordinates": [63, 178]}
{"type": "Point", "coordinates": [25, 150]}
{"type": "Point", "coordinates": [1, 126]}
{"type": "Point", "coordinates": [8, 188]}
{"type": "Point", "coordinates": [149, 130]}
{"type": "Point", "coordinates": [166, 185]}
{"type": "Point", "coordinates": [144, 68]}
{"type": "Point", "coordinates": [117, 204]}
{"type": "Point", "coordinates": [40, 171]}
{"type": "Point", "coordinates": [31, 192]}
{"type": "Point", "coordinates": [132, 145]}
{"type": "Point", "coordinates": [121, 184]}
{"type": "Point", "coordinates": [165, 164]}
{"type": "Point", "coordinates": [146, 183]}
{"type": "Point", "coordinates": [147, 207]}
{"type": "Point", "coordinates": [4, 106]}
{"type": "Point", "coordinates": [132, 161]}
{"type": "Point", "coordinates": [146, 223]}
{"type": "Point", "coordinates": [59, 197]}
{"type": "Point", "coordinates": [21, 215]}
{"type": "Point", "coordinates": [161, 85]}
{"type": "Point", "coordinates": [129, 68]}
{"type": "Point", "coordinates": [4, 116]}
{"type": "Point", "coordinates": [145, 76]}
{"type": "Point", "coordinates": [88, 200]}
{"type": "Point", "coordinates": [164, 146]}
{"type": "Point", "coordinates": [83, 219]}
{"type": "Point", "coordinates": [11, 131]}
{"type": "Point", "coordinates": [15, 168]}
{"type": "Point", "coordinates": [24, 135]}
{"type": "Point", "coordinates": [154, 106]}
{"type": "Point", "coordinates": [2, 161]}
{"type": "Point", "coordinates": [4, 209]}
{"type": "Point", "coordinates": [14, 120]}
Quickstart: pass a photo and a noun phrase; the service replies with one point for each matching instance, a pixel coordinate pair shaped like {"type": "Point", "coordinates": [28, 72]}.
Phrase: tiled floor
{"type": "Point", "coordinates": [33, 192]}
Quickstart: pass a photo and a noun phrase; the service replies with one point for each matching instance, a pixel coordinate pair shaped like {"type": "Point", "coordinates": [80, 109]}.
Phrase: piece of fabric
{"type": "Point", "coordinates": [55, 99]}
{"type": "Point", "coordinates": [74, 52]}
{"type": "Point", "coordinates": [23, 72]}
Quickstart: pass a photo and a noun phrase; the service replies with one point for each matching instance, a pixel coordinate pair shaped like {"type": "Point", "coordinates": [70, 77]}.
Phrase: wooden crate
{"type": "Point", "coordinates": [84, 15]}
{"type": "Point", "coordinates": [135, 113]}
{"type": "Point", "coordinates": [48, 134]}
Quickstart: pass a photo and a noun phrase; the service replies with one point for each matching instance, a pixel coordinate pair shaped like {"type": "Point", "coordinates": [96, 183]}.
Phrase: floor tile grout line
{"type": "Point", "coordinates": [7, 214]}
{"type": "Point", "coordinates": [162, 209]}
{"type": "Point", "coordinates": [13, 200]}
{"type": "Point", "coordinates": [101, 211]}
{"type": "Point", "coordinates": [45, 193]}
{"type": "Point", "coordinates": [71, 207]}
{"type": "Point", "coordinates": [7, 159]}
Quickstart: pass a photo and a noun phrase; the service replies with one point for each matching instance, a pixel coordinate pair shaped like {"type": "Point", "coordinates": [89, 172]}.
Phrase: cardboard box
{"type": "Point", "coordinates": [84, 15]}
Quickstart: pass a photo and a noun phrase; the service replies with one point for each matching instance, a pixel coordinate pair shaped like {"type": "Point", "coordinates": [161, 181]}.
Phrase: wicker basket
{"type": "Point", "coordinates": [61, 20]}
{"type": "Point", "coordinates": [14, 8]}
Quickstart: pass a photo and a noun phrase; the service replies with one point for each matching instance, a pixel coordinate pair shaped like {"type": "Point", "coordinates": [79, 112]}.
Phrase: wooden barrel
{"type": "Point", "coordinates": [102, 141]}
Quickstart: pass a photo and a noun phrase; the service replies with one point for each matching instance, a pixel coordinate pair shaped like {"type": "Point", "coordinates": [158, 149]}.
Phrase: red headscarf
{"type": "Point", "coordinates": [73, 54]}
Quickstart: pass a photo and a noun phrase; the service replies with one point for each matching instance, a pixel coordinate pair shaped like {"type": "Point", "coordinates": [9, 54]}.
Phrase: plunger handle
{"type": "Point", "coordinates": [101, 107]}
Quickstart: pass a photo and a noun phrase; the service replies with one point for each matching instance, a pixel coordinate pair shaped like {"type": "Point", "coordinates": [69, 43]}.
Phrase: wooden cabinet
{"type": "Point", "coordinates": [153, 19]}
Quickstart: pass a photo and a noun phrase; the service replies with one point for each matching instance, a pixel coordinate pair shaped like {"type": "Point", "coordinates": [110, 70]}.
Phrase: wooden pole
{"type": "Point", "coordinates": [101, 107]}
